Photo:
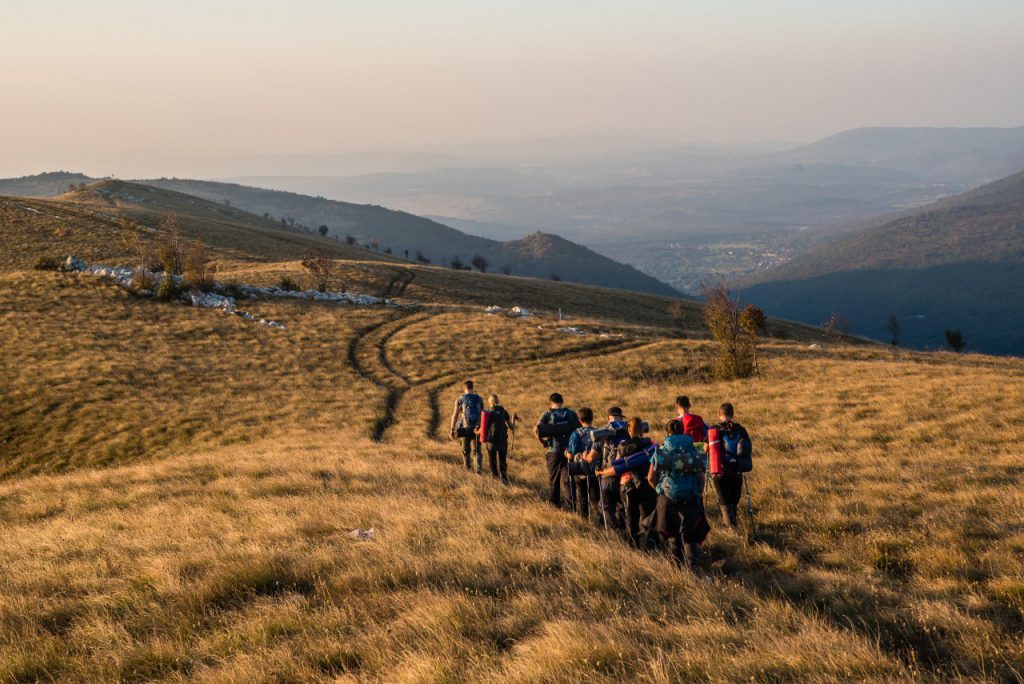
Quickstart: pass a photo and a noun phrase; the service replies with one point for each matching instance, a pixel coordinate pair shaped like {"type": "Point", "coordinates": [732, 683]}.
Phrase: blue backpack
{"type": "Point", "coordinates": [472, 408]}
{"type": "Point", "coordinates": [737, 450]}
{"type": "Point", "coordinates": [681, 468]}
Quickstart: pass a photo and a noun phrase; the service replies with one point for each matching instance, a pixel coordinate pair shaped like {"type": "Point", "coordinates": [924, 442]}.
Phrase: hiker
{"type": "Point", "coordinates": [677, 474]}
{"type": "Point", "coordinates": [499, 423]}
{"type": "Point", "coordinates": [693, 425]}
{"type": "Point", "coordinates": [553, 430]}
{"type": "Point", "coordinates": [582, 454]}
{"type": "Point", "coordinates": [613, 513]}
{"type": "Point", "coordinates": [465, 421]}
{"type": "Point", "coordinates": [632, 465]}
{"type": "Point", "coordinates": [729, 457]}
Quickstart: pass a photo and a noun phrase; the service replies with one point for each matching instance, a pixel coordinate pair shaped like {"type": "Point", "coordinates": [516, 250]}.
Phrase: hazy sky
{"type": "Point", "coordinates": [134, 87]}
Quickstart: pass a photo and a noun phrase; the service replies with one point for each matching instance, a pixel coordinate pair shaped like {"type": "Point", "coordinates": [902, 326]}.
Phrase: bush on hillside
{"type": "Point", "coordinates": [955, 340]}
{"type": "Point", "coordinates": [836, 327]}
{"type": "Point", "coordinates": [287, 284]}
{"type": "Point", "coordinates": [170, 290]}
{"type": "Point", "coordinates": [321, 267]}
{"type": "Point", "coordinates": [198, 270]}
{"type": "Point", "coordinates": [47, 263]}
{"type": "Point", "coordinates": [727, 325]}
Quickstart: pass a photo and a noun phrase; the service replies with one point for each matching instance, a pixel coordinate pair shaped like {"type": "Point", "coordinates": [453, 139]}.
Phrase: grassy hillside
{"type": "Point", "coordinates": [953, 264]}
{"type": "Point", "coordinates": [178, 489]}
{"type": "Point", "coordinates": [43, 184]}
{"type": "Point", "coordinates": [405, 232]}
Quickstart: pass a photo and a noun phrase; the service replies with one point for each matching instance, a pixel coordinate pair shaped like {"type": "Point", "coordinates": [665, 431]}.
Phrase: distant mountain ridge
{"type": "Point", "coordinates": [401, 231]}
{"type": "Point", "coordinates": [954, 264]}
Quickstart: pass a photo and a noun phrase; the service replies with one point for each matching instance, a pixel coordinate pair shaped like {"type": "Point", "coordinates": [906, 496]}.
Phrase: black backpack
{"type": "Point", "coordinates": [497, 427]}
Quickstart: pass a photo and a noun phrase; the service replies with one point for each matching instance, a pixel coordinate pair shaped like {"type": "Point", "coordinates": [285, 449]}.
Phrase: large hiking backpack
{"type": "Point", "coordinates": [694, 427]}
{"type": "Point", "coordinates": [730, 450]}
{"type": "Point", "coordinates": [496, 430]}
{"type": "Point", "coordinates": [472, 407]}
{"type": "Point", "coordinates": [685, 466]}
{"type": "Point", "coordinates": [557, 429]}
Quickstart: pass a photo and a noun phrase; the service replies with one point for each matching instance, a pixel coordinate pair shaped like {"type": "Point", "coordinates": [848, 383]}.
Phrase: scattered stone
{"type": "Point", "coordinates": [363, 535]}
{"type": "Point", "coordinates": [519, 312]}
{"type": "Point", "coordinates": [572, 331]}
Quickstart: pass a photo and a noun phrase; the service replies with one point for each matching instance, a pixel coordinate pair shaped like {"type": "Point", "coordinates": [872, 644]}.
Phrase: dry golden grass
{"type": "Point", "coordinates": [212, 545]}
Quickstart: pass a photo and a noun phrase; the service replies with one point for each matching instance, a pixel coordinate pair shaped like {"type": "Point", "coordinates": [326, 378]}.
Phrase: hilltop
{"type": "Point", "coordinates": [953, 264]}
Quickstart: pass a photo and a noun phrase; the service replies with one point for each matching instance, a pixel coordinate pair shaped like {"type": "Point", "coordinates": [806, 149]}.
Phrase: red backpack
{"type": "Point", "coordinates": [694, 427]}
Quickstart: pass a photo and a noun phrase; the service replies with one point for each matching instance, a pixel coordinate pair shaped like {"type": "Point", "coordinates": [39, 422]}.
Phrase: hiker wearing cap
{"type": "Point", "coordinates": [465, 421]}
{"type": "Point", "coordinates": [632, 465]}
{"type": "Point", "coordinates": [677, 474]}
{"type": "Point", "coordinates": [729, 457]}
{"type": "Point", "coordinates": [553, 431]}
{"type": "Point", "coordinates": [694, 426]}
{"type": "Point", "coordinates": [586, 493]}
{"type": "Point", "coordinates": [493, 432]}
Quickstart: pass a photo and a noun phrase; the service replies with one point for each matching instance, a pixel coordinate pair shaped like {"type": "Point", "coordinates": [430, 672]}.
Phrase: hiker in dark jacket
{"type": "Point", "coordinates": [613, 514]}
{"type": "Point", "coordinates": [465, 421]}
{"type": "Point", "coordinates": [677, 474]}
{"type": "Point", "coordinates": [582, 454]}
{"type": "Point", "coordinates": [729, 485]}
{"type": "Point", "coordinates": [553, 430]}
{"type": "Point", "coordinates": [496, 439]}
{"type": "Point", "coordinates": [632, 465]}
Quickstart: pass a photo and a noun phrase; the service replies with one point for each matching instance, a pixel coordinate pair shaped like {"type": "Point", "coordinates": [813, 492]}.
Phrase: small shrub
{"type": "Point", "coordinates": [47, 263]}
{"type": "Point", "coordinates": [735, 346]}
{"type": "Point", "coordinates": [955, 340]}
{"type": "Point", "coordinates": [287, 284]}
{"type": "Point", "coordinates": [170, 248]}
{"type": "Point", "coordinates": [144, 282]}
{"type": "Point", "coordinates": [836, 327]}
{"type": "Point", "coordinates": [169, 291]}
{"type": "Point", "coordinates": [320, 266]}
{"type": "Point", "coordinates": [198, 270]}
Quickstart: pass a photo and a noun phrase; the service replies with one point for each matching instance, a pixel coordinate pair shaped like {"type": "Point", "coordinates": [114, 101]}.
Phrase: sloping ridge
{"type": "Point", "coordinates": [956, 263]}
{"type": "Point", "coordinates": [401, 232]}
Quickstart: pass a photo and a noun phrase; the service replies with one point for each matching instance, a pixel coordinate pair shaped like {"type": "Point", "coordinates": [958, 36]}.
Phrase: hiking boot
{"type": "Point", "coordinates": [728, 516]}
{"type": "Point", "coordinates": [504, 481]}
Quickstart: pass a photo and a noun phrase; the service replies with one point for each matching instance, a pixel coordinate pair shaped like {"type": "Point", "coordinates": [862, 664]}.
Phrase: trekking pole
{"type": "Point", "coordinates": [750, 508]}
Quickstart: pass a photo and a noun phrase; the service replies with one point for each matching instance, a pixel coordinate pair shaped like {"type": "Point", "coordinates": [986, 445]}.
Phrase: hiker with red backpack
{"type": "Point", "coordinates": [495, 424]}
{"type": "Point", "coordinates": [677, 474]}
{"type": "Point", "coordinates": [729, 457]}
{"type": "Point", "coordinates": [553, 431]}
{"type": "Point", "coordinates": [694, 426]}
{"type": "Point", "coordinates": [465, 421]}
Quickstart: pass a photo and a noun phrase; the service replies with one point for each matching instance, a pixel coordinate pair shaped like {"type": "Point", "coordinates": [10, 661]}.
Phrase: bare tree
{"type": "Point", "coordinates": [480, 263]}
{"type": "Point", "coordinates": [456, 263]}
{"type": "Point", "coordinates": [323, 231]}
{"type": "Point", "coordinates": [836, 327]}
{"type": "Point", "coordinates": [892, 324]}
{"type": "Point", "coordinates": [753, 323]}
{"type": "Point", "coordinates": [320, 266]}
{"type": "Point", "coordinates": [170, 246]}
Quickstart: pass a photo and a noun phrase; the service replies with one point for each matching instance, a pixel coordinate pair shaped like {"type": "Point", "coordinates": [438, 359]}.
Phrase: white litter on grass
{"type": "Point", "coordinates": [814, 346]}
{"type": "Point", "coordinates": [493, 310]}
{"type": "Point", "coordinates": [363, 535]}
{"type": "Point", "coordinates": [519, 312]}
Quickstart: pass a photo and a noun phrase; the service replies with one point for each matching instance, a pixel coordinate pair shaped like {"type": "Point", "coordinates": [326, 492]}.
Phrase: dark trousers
{"type": "Point", "coordinates": [639, 501]}
{"type": "Point", "coordinates": [497, 454]}
{"type": "Point", "coordinates": [611, 502]}
{"type": "Point", "coordinates": [581, 496]}
{"type": "Point", "coordinates": [683, 525]}
{"type": "Point", "coordinates": [558, 477]}
{"type": "Point", "coordinates": [729, 489]}
{"type": "Point", "coordinates": [472, 444]}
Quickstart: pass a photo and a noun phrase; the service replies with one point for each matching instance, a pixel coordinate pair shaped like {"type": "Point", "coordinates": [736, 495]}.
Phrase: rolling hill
{"type": "Point", "coordinates": [403, 232]}
{"type": "Point", "coordinates": [955, 264]}
{"type": "Point", "coordinates": [183, 491]}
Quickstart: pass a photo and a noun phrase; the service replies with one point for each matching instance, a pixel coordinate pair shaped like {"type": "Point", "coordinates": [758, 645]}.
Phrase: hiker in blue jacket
{"type": "Point", "coordinates": [582, 453]}
{"type": "Point", "coordinates": [677, 474]}
{"type": "Point", "coordinates": [465, 421]}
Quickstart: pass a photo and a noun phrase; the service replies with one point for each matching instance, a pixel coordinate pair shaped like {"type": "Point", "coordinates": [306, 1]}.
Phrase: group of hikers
{"type": "Point", "coordinates": [614, 475]}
